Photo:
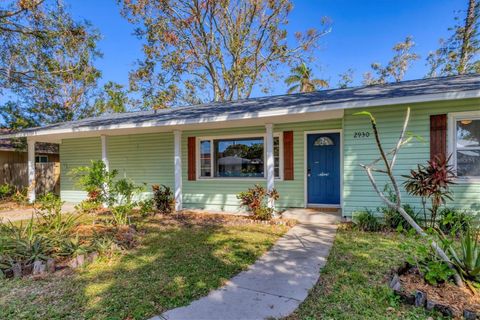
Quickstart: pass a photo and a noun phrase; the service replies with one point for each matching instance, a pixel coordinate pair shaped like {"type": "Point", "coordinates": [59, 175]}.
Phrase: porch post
{"type": "Point", "coordinates": [31, 170]}
{"type": "Point", "coordinates": [103, 139]}
{"type": "Point", "coordinates": [270, 161]}
{"type": "Point", "coordinates": [177, 138]}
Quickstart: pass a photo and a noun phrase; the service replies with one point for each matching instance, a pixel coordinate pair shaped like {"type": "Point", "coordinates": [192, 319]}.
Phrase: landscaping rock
{"type": "Point", "coordinates": [39, 268]}
{"type": "Point", "coordinates": [394, 281]}
{"type": "Point", "coordinates": [445, 310]}
{"type": "Point", "coordinates": [397, 286]}
{"type": "Point", "coordinates": [407, 298]}
{"type": "Point", "coordinates": [430, 305]}
{"type": "Point", "coordinates": [80, 260]}
{"type": "Point", "coordinates": [92, 257]}
{"type": "Point", "coordinates": [420, 298]}
{"type": "Point", "coordinates": [51, 265]}
{"type": "Point", "coordinates": [469, 315]}
{"type": "Point", "coordinates": [17, 270]}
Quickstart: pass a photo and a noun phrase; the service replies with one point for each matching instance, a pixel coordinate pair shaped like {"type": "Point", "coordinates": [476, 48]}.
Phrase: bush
{"type": "Point", "coordinates": [121, 214]}
{"type": "Point", "coordinates": [6, 191]}
{"type": "Point", "coordinates": [453, 221]}
{"type": "Point", "coordinates": [96, 180]}
{"type": "Point", "coordinates": [366, 221]}
{"type": "Point", "coordinates": [124, 190]}
{"type": "Point", "coordinates": [395, 221]}
{"type": "Point", "coordinates": [87, 206]}
{"type": "Point", "coordinates": [255, 200]}
{"type": "Point", "coordinates": [163, 198]}
{"type": "Point", "coordinates": [146, 207]}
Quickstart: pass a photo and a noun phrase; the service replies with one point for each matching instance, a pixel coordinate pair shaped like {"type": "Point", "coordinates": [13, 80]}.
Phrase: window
{"type": "Point", "coordinates": [467, 147]}
{"type": "Point", "coordinates": [236, 157]}
{"type": "Point", "coordinates": [41, 159]}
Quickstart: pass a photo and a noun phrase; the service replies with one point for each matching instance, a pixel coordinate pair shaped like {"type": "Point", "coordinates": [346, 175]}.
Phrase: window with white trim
{"type": "Point", "coordinates": [41, 159]}
{"type": "Point", "coordinates": [467, 147]}
{"type": "Point", "coordinates": [236, 157]}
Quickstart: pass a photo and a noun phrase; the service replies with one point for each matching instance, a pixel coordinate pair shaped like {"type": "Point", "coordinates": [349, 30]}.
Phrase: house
{"type": "Point", "coordinates": [309, 146]}
{"type": "Point", "coordinates": [13, 164]}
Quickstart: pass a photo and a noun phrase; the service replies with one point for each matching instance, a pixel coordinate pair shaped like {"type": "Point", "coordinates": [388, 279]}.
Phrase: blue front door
{"type": "Point", "coordinates": [323, 168]}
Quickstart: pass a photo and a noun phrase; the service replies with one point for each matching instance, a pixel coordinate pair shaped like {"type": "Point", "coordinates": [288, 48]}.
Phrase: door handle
{"type": "Point", "coordinates": [309, 172]}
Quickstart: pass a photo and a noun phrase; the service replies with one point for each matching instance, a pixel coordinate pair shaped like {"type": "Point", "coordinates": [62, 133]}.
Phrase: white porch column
{"type": "Point", "coordinates": [177, 138]}
{"type": "Point", "coordinates": [270, 162]}
{"type": "Point", "coordinates": [31, 170]}
{"type": "Point", "coordinates": [103, 139]}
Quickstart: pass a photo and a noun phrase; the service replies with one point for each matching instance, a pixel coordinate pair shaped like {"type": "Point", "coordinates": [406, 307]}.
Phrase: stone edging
{"type": "Point", "coordinates": [420, 298]}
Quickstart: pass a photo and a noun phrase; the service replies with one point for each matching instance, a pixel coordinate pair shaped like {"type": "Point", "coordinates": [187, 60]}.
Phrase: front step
{"type": "Point", "coordinates": [309, 215]}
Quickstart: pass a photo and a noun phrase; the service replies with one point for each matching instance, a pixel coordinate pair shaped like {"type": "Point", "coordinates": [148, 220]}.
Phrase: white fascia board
{"type": "Point", "coordinates": [262, 114]}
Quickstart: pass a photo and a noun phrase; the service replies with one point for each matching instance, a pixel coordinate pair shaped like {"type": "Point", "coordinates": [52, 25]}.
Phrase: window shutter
{"type": "Point", "coordinates": [192, 174]}
{"type": "Point", "coordinates": [288, 155]}
{"type": "Point", "coordinates": [438, 135]}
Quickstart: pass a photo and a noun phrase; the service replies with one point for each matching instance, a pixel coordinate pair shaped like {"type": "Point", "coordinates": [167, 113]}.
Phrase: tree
{"type": "Point", "coordinates": [396, 68]}
{"type": "Point", "coordinates": [212, 50]}
{"type": "Point", "coordinates": [460, 53]}
{"type": "Point", "coordinates": [46, 60]}
{"type": "Point", "coordinates": [114, 98]}
{"type": "Point", "coordinates": [301, 80]}
{"type": "Point", "coordinates": [346, 78]}
{"type": "Point", "coordinates": [388, 159]}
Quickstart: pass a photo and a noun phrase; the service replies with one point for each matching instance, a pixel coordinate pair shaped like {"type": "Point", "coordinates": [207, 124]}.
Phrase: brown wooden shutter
{"type": "Point", "coordinates": [438, 135]}
{"type": "Point", "coordinates": [192, 174]}
{"type": "Point", "coordinates": [288, 155]}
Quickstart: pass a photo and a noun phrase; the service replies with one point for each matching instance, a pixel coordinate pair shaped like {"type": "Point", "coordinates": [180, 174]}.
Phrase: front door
{"type": "Point", "coordinates": [323, 168]}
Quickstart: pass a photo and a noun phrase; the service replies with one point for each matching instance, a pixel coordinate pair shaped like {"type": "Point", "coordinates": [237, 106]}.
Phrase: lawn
{"type": "Point", "coordinates": [353, 283]}
{"type": "Point", "coordinates": [177, 261]}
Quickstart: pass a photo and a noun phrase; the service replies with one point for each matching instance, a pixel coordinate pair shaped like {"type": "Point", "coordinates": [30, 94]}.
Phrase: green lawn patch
{"type": "Point", "coordinates": [177, 261]}
{"type": "Point", "coordinates": [353, 284]}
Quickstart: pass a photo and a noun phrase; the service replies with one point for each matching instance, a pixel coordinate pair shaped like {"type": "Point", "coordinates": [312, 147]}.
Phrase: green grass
{"type": "Point", "coordinates": [353, 284]}
{"type": "Point", "coordinates": [175, 264]}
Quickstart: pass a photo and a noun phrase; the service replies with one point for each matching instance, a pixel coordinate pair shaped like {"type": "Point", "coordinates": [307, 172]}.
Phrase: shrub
{"type": "Point", "coordinates": [124, 191]}
{"type": "Point", "coordinates": [146, 207]}
{"type": "Point", "coordinates": [163, 198]}
{"type": "Point", "coordinates": [121, 214]}
{"type": "Point", "coordinates": [6, 191]}
{"type": "Point", "coordinates": [87, 206]}
{"type": "Point", "coordinates": [96, 180]}
{"type": "Point", "coordinates": [395, 221]}
{"type": "Point", "coordinates": [431, 182]}
{"type": "Point", "coordinates": [435, 271]}
{"type": "Point", "coordinates": [453, 221]}
{"type": "Point", "coordinates": [366, 221]}
{"type": "Point", "coordinates": [51, 221]}
{"type": "Point", "coordinates": [20, 196]}
{"type": "Point", "coordinates": [255, 200]}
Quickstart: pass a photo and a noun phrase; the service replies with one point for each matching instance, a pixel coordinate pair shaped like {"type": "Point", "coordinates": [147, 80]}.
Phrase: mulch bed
{"type": "Point", "coordinates": [447, 298]}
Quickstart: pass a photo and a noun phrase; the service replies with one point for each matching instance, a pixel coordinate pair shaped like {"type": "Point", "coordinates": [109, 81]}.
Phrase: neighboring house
{"type": "Point", "coordinates": [11, 152]}
{"type": "Point", "coordinates": [309, 146]}
{"type": "Point", "coordinates": [13, 165]}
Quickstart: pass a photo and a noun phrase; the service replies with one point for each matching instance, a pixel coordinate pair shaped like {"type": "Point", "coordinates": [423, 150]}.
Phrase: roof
{"type": "Point", "coordinates": [431, 89]}
{"type": "Point", "coordinates": [40, 147]}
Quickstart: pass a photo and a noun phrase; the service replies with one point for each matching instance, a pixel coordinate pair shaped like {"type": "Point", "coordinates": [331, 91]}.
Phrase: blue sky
{"type": "Point", "coordinates": [363, 31]}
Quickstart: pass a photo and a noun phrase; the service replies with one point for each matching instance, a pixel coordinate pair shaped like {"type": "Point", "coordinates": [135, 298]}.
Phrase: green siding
{"type": "Point", "coordinates": [144, 158]}
{"type": "Point", "coordinates": [358, 193]}
{"type": "Point", "coordinates": [76, 153]}
{"type": "Point", "coordinates": [221, 194]}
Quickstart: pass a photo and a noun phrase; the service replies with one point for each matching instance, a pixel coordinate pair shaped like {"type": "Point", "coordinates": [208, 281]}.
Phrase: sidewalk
{"type": "Point", "coordinates": [277, 283]}
{"type": "Point", "coordinates": [24, 214]}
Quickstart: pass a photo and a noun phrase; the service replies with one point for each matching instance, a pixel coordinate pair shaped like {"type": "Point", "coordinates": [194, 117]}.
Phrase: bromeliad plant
{"type": "Point", "coordinates": [432, 182]}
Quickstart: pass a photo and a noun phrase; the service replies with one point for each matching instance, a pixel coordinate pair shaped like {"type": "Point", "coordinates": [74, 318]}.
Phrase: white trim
{"type": "Point", "coordinates": [31, 170]}
{"type": "Point", "coordinates": [177, 137]}
{"type": "Point", "coordinates": [270, 161]}
{"type": "Point", "coordinates": [289, 110]}
{"type": "Point", "coordinates": [103, 140]}
{"type": "Point", "coordinates": [211, 138]}
{"type": "Point", "coordinates": [305, 164]}
{"type": "Point", "coordinates": [453, 117]}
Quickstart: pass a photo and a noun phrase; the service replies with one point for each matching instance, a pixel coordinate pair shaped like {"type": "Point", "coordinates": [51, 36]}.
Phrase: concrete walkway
{"type": "Point", "coordinates": [24, 214]}
{"type": "Point", "coordinates": [278, 282]}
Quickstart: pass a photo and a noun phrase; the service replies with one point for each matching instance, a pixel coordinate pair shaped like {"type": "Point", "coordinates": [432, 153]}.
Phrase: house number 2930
{"type": "Point", "coordinates": [361, 134]}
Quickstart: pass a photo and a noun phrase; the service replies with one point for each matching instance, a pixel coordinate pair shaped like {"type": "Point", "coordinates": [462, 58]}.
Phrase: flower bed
{"type": "Point", "coordinates": [446, 298]}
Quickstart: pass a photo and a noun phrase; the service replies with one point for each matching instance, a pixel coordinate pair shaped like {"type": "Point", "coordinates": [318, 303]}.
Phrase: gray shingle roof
{"type": "Point", "coordinates": [327, 99]}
